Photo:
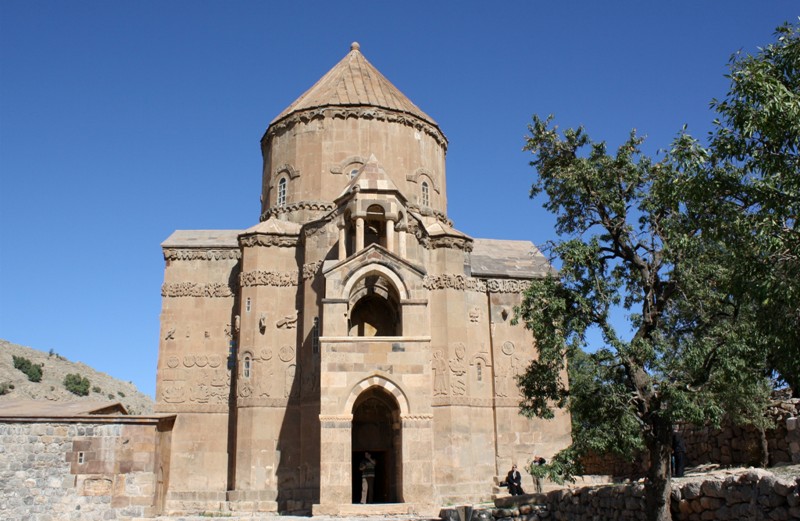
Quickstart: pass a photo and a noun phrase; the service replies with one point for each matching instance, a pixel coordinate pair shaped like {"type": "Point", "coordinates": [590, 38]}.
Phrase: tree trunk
{"type": "Point", "coordinates": [762, 438]}
{"type": "Point", "coordinates": [657, 487]}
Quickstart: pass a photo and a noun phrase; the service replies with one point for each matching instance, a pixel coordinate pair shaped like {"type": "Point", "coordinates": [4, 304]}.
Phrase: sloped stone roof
{"type": "Point", "coordinates": [513, 259]}
{"type": "Point", "coordinates": [371, 177]}
{"type": "Point", "coordinates": [354, 82]}
{"type": "Point", "coordinates": [202, 239]}
{"type": "Point", "coordinates": [40, 408]}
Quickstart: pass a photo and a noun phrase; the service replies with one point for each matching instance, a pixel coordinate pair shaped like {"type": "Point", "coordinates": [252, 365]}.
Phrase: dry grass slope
{"type": "Point", "coordinates": [51, 388]}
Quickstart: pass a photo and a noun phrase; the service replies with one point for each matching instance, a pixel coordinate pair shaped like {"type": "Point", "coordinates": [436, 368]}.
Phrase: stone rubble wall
{"type": "Point", "coordinates": [755, 494]}
{"type": "Point", "coordinates": [729, 445]}
{"type": "Point", "coordinates": [41, 480]}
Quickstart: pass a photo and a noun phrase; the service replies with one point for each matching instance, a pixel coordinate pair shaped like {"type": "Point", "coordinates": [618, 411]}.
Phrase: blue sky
{"type": "Point", "coordinates": [123, 121]}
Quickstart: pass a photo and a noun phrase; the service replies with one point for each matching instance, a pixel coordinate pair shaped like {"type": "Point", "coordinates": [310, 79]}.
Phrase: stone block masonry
{"type": "Point", "coordinates": [87, 469]}
{"type": "Point", "coordinates": [749, 494]}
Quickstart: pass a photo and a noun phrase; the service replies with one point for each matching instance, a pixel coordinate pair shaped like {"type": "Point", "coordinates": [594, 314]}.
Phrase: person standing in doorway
{"type": "Point", "coordinates": [367, 468]}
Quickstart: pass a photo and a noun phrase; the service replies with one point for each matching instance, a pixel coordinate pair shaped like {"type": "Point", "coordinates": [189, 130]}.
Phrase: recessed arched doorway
{"type": "Point", "coordinates": [376, 429]}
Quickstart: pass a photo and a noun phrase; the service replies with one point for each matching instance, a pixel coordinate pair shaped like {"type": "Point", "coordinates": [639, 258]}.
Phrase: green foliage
{"type": "Point", "coordinates": [121, 394]}
{"type": "Point", "coordinates": [700, 249]}
{"type": "Point", "coordinates": [77, 384]}
{"type": "Point", "coordinates": [96, 389]}
{"type": "Point", "coordinates": [748, 187]}
{"type": "Point", "coordinates": [110, 396]}
{"type": "Point", "coordinates": [5, 388]}
{"type": "Point", "coordinates": [31, 370]}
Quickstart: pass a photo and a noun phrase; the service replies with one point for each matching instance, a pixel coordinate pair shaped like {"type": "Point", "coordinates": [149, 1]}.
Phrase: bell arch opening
{"type": "Point", "coordinates": [374, 308]}
{"type": "Point", "coordinates": [376, 446]}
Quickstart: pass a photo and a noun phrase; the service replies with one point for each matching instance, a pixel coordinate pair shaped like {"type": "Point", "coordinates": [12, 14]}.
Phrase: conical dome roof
{"type": "Point", "coordinates": [354, 82]}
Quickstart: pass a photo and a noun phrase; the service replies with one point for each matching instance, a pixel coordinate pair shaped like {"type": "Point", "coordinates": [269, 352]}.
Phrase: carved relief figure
{"type": "Point", "coordinates": [475, 314]}
{"type": "Point", "coordinates": [262, 323]}
{"type": "Point", "coordinates": [288, 390]}
{"type": "Point", "coordinates": [264, 384]}
{"type": "Point", "coordinates": [174, 392]}
{"type": "Point", "coordinates": [439, 368]}
{"type": "Point", "coordinates": [287, 322]}
{"type": "Point", "coordinates": [507, 367]}
{"type": "Point", "coordinates": [458, 368]}
{"type": "Point", "coordinates": [170, 334]}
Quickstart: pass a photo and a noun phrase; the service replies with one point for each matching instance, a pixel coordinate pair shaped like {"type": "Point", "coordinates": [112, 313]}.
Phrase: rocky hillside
{"type": "Point", "coordinates": [15, 383]}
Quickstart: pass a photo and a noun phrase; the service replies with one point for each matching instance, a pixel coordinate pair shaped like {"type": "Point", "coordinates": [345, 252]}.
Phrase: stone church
{"type": "Point", "coordinates": [353, 317]}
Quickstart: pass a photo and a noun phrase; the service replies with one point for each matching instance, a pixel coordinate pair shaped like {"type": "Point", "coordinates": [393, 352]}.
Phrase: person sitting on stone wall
{"type": "Point", "coordinates": [514, 480]}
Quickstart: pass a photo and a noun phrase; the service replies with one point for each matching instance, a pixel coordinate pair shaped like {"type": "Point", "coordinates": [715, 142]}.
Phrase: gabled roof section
{"type": "Point", "coordinates": [274, 226]}
{"type": "Point", "coordinates": [372, 253]}
{"type": "Point", "coordinates": [371, 178]}
{"type": "Point", "coordinates": [354, 82]}
{"type": "Point", "coordinates": [37, 408]}
{"type": "Point", "coordinates": [512, 259]}
{"type": "Point", "coordinates": [202, 239]}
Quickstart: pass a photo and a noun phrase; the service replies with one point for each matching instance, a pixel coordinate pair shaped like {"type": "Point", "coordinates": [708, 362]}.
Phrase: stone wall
{"type": "Point", "coordinates": [731, 445]}
{"type": "Point", "coordinates": [728, 445]}
{"type": "Point", "coordinates": [108, 468]}
{"type": "Point", "coordinates": [752, 494]}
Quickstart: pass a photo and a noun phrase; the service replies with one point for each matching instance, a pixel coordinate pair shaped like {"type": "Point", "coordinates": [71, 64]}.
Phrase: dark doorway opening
{"type": "Point", "coordinates": [376, 421]}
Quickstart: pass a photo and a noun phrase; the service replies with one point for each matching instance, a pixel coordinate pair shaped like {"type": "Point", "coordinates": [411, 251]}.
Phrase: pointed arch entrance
{"type": "Point", "coordinates": [376, 429]}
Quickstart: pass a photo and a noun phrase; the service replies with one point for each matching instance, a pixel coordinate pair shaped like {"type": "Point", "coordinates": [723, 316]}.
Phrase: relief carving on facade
{"type": "Point", "coordinates": [318, 206]}
{"type": "Point", "coordinates": [170, 334]}
{"type": "Point", "coordinates": [286, 353]}
{"type": "Point", "coordinates": [281, 241]}
{"type": "Point", "coordinates": [288, 322]}
{"type": "Point", "coordinates": [262, 323]}
{"type": "Point", "coordinates": [289, 388]}
{"type": "Point", "coordinates": [310, 270]}
{"type": "Point", "coordinates": [267, 278]}
{"type": "Point", "coordinates": [475, 314]}
{"type": "Point", "coordinates": [465, 283]}
{"type": "Point", "coordinates": [439, 373]}
{"type": "Point", "coordinates": [196, 289]}
{"type": "Point", "coordinates": [359, 113]}
{"type": "Point", "coordinates": [506, 370]}
{"type": "Point", "coordinates": [172, 254]}
{"type": "Point", "coordinates": [458, 371]}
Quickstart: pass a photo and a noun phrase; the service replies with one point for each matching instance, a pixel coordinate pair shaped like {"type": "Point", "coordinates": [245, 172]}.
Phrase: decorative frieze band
{"type": "Point", "coordinates": [417, 417]}
{"type": "Point", "coordinates": [455, 243]}
{"type": "Point", "coordinates": [315, 206]}
{"type": "Point", "coordinates": [310, 270]}
{"type": "Point", "coordinates": [464, 283]}
{"type": "Point", "coordinates": [172, 254]}
{"type": "Point", "coordinates": [336, 418]}
{"type": "Point", "coordinates": [195, 289]}
{"type": "Point", "coordinates": [360, 113]}
{"type": "Point", "coordinates": [284, 241]}
{"type": "Point", "coordinates": [268, 278]}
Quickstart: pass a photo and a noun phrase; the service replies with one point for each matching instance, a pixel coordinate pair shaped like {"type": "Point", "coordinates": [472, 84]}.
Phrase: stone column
{"type": "Point", "coordinates": [390, 235]}
{"type": "Point", "coordinates": [402, 241]}
{"type": "Point", "coordinates": [335, 480]}
{"type": "Point", "coordinates": [342, 243]}
{"type": "Point", "coordinates": [359, 234]}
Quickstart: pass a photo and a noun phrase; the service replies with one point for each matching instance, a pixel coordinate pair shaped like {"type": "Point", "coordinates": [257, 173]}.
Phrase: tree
{"type": "Point", "coordinates": [747, 180]}
{"type": "Point", "coordinates": [31, 370]}
{"type": "Point", "coordinates": [630, 241]}
{"type": "Point", "coordinates": [77, 384]}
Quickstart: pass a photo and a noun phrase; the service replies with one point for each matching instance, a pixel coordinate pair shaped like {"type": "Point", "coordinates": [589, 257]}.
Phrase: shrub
{"type": "Point", "coordinates": [77, 384]}
{"type": "Point", "coordinates": [33, 371]}
{"type": "Point", "coordinates": [121, 394]}
{"type": "Point", "coordinates": [110, 396]}
{"type": "Point", "coordinates": [5, 388]}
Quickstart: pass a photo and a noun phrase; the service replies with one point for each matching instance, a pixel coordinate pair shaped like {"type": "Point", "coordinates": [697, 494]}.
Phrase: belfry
{"type": "Point", "coordinates": [352, 318]}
